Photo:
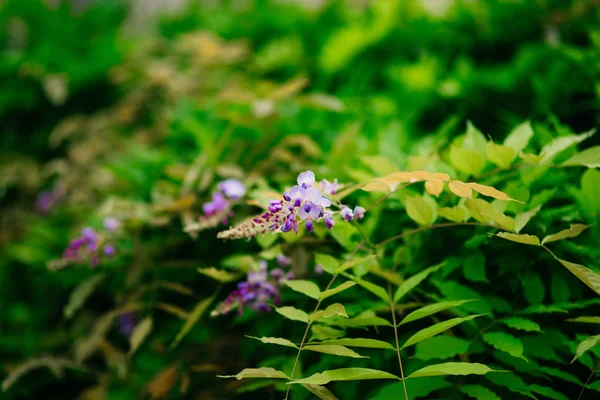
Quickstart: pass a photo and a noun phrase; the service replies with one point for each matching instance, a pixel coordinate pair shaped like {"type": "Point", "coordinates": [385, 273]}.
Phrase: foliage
{"type": "Point", "coordinates": [284, 207]}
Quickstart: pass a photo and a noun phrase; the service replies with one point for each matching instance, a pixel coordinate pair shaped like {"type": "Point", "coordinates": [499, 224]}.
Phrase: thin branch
{"type": "Point", "coordinates": [588, 381]}
{"type": "Point", "coordinates": [392, 309]}
{"type": "Point", "coordinates": [426, 228]}
{"type": "Point", "coordinates": [300, 348]}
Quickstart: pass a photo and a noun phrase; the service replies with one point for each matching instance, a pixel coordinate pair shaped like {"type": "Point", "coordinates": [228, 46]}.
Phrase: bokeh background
{"type": "Point", "coordinates": [135, 108]}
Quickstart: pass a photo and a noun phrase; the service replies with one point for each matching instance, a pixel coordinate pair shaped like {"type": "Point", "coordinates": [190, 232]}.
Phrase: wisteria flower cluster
{"type": "Point", "coordinates": [259, 290]}
{"type": "Point", "coordinates": [91, 245]}
{"type": "Point", "coordinates": [304, 202]}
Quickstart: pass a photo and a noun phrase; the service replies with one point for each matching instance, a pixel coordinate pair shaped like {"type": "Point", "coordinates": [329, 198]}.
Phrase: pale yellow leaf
{"type": "Point", "coordinates": [519, 238]}
{"type": "Point", "coordinates": [434, 187]}
{"type": "Point", "coordinates": [460, 189]}
{"type": "Point", "coordinates": [573, 231]}
{"type": "Point", "coordinates": [139, 334]}
{"type": "Point", "coordinates": [489, 191]}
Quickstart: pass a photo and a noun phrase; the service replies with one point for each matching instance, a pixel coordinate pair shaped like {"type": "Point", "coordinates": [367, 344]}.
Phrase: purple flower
{"type": "Point", "coordinates": [359, 212]}
{"type": "Point", "coordinates": [306, 179]}
{"type": "Point", "coordinates": [232, 188]}
{"type": "Point", "coordinates": [283, 261]}
{"type": "Point", "coordinates": [45, 202]}
{"type": "Point", "coordinates": [329, 187]}
{"type": "Point", "coordinates": [109, 250]}
{"type": "Point", "coordinates": [111, 224]}
{"type": "Point", "coordinates": [219, 203]}
{"type": "Point", "coordinates": [319, 269]}
{"type": "Point", "coordinates": [347, 213]}
{"type": "Point", "coordinates": [126, 323]}
{"type": "Point", "coordinates": [328, 218]}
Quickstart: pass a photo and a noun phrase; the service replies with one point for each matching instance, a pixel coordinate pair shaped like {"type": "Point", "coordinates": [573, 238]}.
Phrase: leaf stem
{"type": "Point", "coordinates": [588, 381]}
{"type": "Point", "coordinates": [393, 310]}
{"type": "Point", "coordinates": [333, 278]}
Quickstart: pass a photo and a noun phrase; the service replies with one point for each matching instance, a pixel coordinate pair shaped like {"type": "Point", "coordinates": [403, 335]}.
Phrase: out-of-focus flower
{"type": "Point", "coordinates": [126, 323]}
{"type": "Point", "coordinates": [319, 269]}
{"type": "Point", "coordinates": [232, 188]}
{"type": "Point", "coordinates": [48, 199]}
{"type": "Point", "coordinates": [329, 187]}
{"type": "Point", "coordinates": [359, 212]}
{"type": "Point", "coordinates": [91, 244]}
{"type": "Point", "coordinates": [283, 261]}
{"type": "Point", "coordinates": [347, 213]}
{"type": "Point", "coordinates": [111, 224]}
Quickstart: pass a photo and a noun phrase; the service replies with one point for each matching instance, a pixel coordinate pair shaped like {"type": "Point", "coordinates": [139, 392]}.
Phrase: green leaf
{"type": "Point", "coordinates": [80, 294]}
{"type": "Point", "coordinates": [334, 309]}
{"type": "Point", "coordinates": [521, 324]}
{"type": "Point", "coordinates": [594, 385]}
{"type": "Point", "coordinates": [219, 274]}
{"type": "Point", "coordinates": [474, 268]}
{"type": "Point", "coordinates": [499, 155]}
{"type": "Point", "coordinates": [371, 287]}
{"type": "Point", "coordinates": [413, 281]}
{"type": "Point", "coordinates": [353, 263]}
{"type": "Point", "coordinates": [420, 210]}
{"type": "Point", "coordinates": [274, 340]}
{"type": "Point", "coordinates": [328, 263]}
{"type": "Point", "coordinates": [534, 289]}
{"type": "Point", "coordinates": [345, 374]}
{"type": "Point", "coordinates": [264, 372]}
{"type": "Point", "coordinates": [431, 309]}
{"type": "Point", "coordinates": [479, 392]}
{"type": "Point", "coordinates": [474, 139]}
{"type": "Point", "coordinates": [337, 289]}
{"type": "Point", "coordinates": [467, 161]}
{"type": "Point", "coordinates": [139, 334]}
{"type": "Point", "coordinates": [356, 342]}
{"type": "Point", "coordinates": [320, 391]}
{"type": "Point", "coordinates": [321, 332]}
{"type": "Point", "coordinates": [523, 218]}
{"type": "Point", "coordinates": [455, 214]}
{"type": "Point", "coordinates": [512, 382]}
{"type": "Point", "coordinates": [334, 349]}
{"type": "Point", "coordinates": [548, 392]}
{"type": "Point", "coordinates": [436, 329]}
{"type": "Point", "coordinates": [587, 320]}
{"type": "Point", "coordinates": [193, 318]}
{"type": "Point", "coordinates": [452, 368]}
{"type": "Point", "coordinates": [441, 347]}
{"type": "Point", "coordinates": [588, 158]}
{"type": "Point", "coordinates": [519, 137]}
{"type": "Point", "coordinates": [525, 239]}
{"type": "Point", "coordinates": [293, 313]}
{"type": "Point", "coordinates": [552, 149]}
{"type": "Point", "coordinates": [557, 373]}
{"type": "Point", "coordinates": [417, 388]}
{"type": "Point", "coordinates": [505, 342]}
{"type": "Point", "coordinates": [585, 346]}
{"type": "Point", "coordinates": [573, 231]}
{"type": "Point", "coordinates": [365, 319]}
{"type": "Point", "coordinates": [307, 288]}
{"type": "Point", "coordinates": [586, 275]}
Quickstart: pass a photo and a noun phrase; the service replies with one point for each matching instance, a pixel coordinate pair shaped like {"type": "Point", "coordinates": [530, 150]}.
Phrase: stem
{"type": "Point", "coordinates": [287, 393]}
{"type": "Point", "coordinates": [426, 228]}
{"type": "Point", "coordinates": [393, 310]}
{"type": "Point", "coordinates": [588, 381]}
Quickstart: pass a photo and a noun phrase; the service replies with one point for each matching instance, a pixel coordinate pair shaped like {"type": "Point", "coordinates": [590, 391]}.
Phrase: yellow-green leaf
{"type": "Point", "coordinates": [588, 158]}
{"type": "Point", "coordinates": [414, 281]}
{"type": "Point", "coordinates": [489, 191]}
{"type": "Point", "coordinates": [357, 342]}
{"type": "Point", "coordinates": [533, 159]}
{"type": "Point", "coordinates": [519, 137]}
{"type": "Point", "coordinates": [334, 349]}
{"type": "Point", "coordinates": [585, 346]}
{"type": "Point", "coordinates": [523, 218]}
{"type": "Point", "coordinates": [505, 342]}
{"type": "Point", "coordinates": [264, 372]}
{"type": "Point", "coordinates": [139, 334]}
{"type": "Point", "coordinates": [467, 161]}
{"type": "Point", "coordinates": [371, 287]}
{"type": "Point", "coordinates": [436, 329]}
{"type": "Point", "coordinates": [337, 289]}
{"type": "Point", "coordinates": [460, 189]}
{"type": "Point", "coordinates": [521, 324]}
{"type": "Point", "coordinates": [320, 391]}
{"type": "Point", "coordinates": [501, 156]}
{"type": "Point", "coordinates": [367, 318]}
{"type": "Point", "coordinates": [80, 294]}
{"type": "Point", "coordinates": [194, 317]}
{"type": "Point", "coordinates": [573, 231]}
{"type": "Point", "coordinates": [332, 310]}
{"type": "Point", "coordinates": [585, 319]}
{"type": "Point", "coordinates": [420, 210]}
{"type": "Point", "coordinates": [456, 214]}
{"type": "Point", "coordinates": [352, 263]}
{"type": "Point", "coordinates": [293, 313]}
{"type": "Point", "coordinates": [552, 149]}
{"type": "Point", "coordinates": [274, 340]}
{"type": "Point", "coordinates": [519, 238]}
{"type": "Point", "coordinates": [307, 288]}
{"type": "Point", "coordinates": [219, 274]}
{"type": "Point", "coordinates": [586, 275]}
{"type": "Point", "coordinates": [431, 309]}
{"type": "Point", "coordinates": [452, 368]}
{"type": "Point", "coordinates": [328, 263]}
{"type": "Point", "coordinates": [345, 374]}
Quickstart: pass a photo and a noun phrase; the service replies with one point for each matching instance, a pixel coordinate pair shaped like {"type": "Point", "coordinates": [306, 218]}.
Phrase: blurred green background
{"type": "Point", "coordinates": [125, 108]}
